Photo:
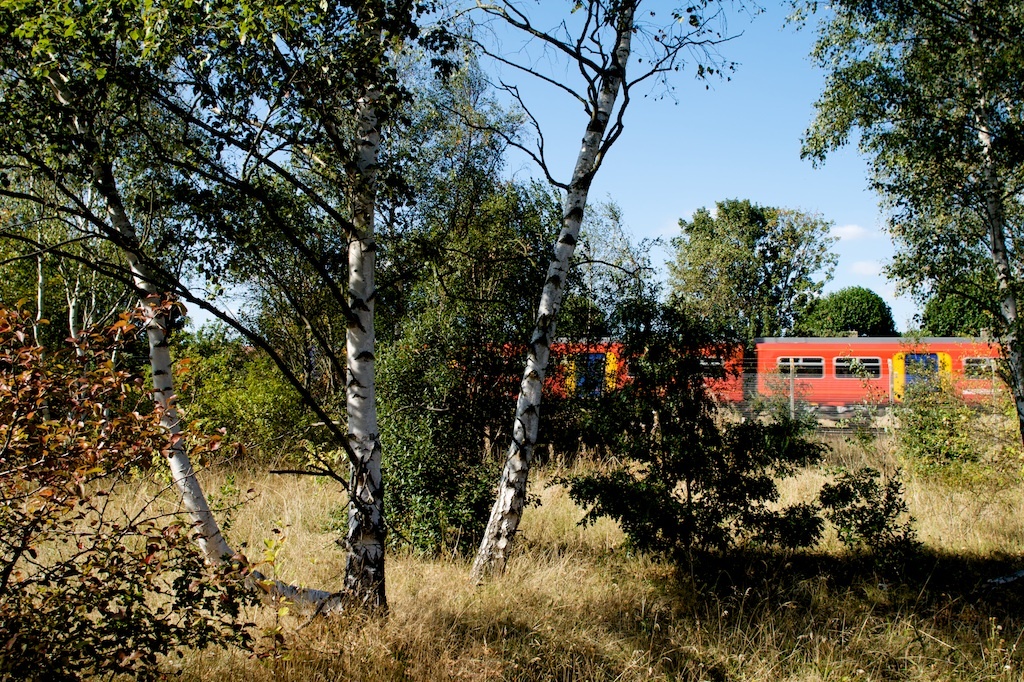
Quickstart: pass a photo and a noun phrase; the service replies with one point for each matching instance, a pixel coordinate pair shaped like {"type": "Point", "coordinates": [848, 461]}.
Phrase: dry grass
{"type": "Point", "coordinates": [575, 604]}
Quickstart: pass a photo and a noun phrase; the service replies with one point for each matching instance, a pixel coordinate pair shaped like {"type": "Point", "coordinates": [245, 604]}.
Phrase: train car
{"type": "Point", "coordinates": [585, 368]}
{"type": "Point", "coordinates": [727, 365]}
{"type": "Point", "coordinates": [594, 368]}
{"type": "Point", "coordinates": [826, 373]}
{"type": "Point", "coordinates": [839, 372]}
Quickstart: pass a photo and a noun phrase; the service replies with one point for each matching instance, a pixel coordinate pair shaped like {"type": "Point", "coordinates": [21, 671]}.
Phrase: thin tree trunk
{"type": "Point", "coordinates": [73, 297]}
{"type": "Point", "coordinates": [493, 554]}
{"type": "Point", "coordinates": [996, 219]}
{"type": "Point", "coordinates": [212, 544]}
{"type": "Point", "coordinates": [364, 570]}
{"type": "Point", "coordinates": [40, 286]}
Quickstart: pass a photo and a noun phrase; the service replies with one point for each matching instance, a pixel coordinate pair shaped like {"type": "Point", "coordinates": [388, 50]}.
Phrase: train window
{"type": "Point", "coordinates": [591, 368]}
{"type": "Point", "coordinates": [803, 367]}
{"type": "Point", "coordinates": [712, 366]}
{"type": "Point", "coordinates": [858, 368]}
{"type": "Point", "coordinates": [976, 368]}
{"type": "Point", "coordinates": [922, 369]}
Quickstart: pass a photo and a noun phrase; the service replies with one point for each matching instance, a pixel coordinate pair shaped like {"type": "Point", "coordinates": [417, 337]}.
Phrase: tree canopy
{"type": "Point", "coordinates": [752, 268]}
{"type": "Point", "coordinates": [933, 90]}
{"type": "Point", "coordinates": [950, 314]}
{"type": "Point", "coordinates": [853, 309]}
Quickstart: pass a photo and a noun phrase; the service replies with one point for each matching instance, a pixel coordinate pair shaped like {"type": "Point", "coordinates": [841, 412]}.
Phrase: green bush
{"type": "Point", "coordinates": [867, 513]}
{"type": "Point", "coordinates": [688, 480]}
{"type": "Point", "coordinates": [934, 426]}
{"type": "Point", "coordinates": [442, 396]}
{"type": "Point", "coordinates": [228, 387]}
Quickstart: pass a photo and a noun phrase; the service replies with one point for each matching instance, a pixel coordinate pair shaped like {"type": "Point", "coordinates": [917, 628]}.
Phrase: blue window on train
{"type": "Point", "coordinates": [921, 368]}
{"type": "Point", "coordinates": [590, 380]}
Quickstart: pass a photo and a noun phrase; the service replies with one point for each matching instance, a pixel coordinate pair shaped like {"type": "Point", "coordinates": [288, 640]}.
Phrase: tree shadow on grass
{"type": "Point", "coordinates": [745, 615]}
{"type": "Point", "coordinates": [771, 615]}
{"type": "Point", "coordinates": [927, 614]}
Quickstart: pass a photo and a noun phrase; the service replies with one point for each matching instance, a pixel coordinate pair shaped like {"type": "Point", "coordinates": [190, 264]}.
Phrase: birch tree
{"type": "Point", "coordinates": [236, 108]}
{"type": "Point", "coordinates": [458, 270]}
{"type": "Point", "coordinates": [328, 84]}
{"type": "Point", "coordinates": [67, 294]}
{"type": "Point", "coordinates": [72, 121]}
{"type": "Point", "coordinates": [934, 91]}
{"type": "Point", "coordinates": [598, 39]}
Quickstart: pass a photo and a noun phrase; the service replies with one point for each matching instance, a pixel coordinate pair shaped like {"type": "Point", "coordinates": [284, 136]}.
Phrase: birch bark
{"type": "Point", "coordinates": [212, 544]}
{"type": "Point", "coordinates": [497, 543]}
{"type": "Point", "coordinates": [996, 220]}
{"type": "Point", "coordinates": [40, 287]}
{"type": "Point", "coordinates": [364, 569]}
{"type": "Point", "coordinates": [71, 296]}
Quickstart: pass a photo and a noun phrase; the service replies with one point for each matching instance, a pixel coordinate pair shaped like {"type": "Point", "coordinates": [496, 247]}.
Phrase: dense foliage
{"type": "Point", "coordinates": [754, 268]}
{"type": "Point", "coordinates": [950, 314]}
{"type": "Point", "coordinates": [88, 588]}
{"type": "Point", "coordinates": [689, 479]}
{"type": "Point", "coordinates": [853, 309]}
{"type": "Point", "coordinates": [442, 398]}
{"type": "Point", "coordinates": [447, 374]}
{"type": "Point", "coordinates": [870, 514]}
{"type": "Point", "coordinates": [228, 387]}
{"type": "Point", "coordinates": [935, 425]}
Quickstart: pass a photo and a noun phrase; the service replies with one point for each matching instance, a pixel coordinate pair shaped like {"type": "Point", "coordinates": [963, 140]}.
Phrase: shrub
{"type": "Point", "coordinates": [230, 388]}
{"type": "Point", "coordinates": [867, 513]}
{"type": "Point", "coordinates": [934, 426]}
{"type": "Point", "coordinates": [440, 393]}
{"type": "Point", "coordinates": [688, 480]}
{"type": "Point", "coordinates": [87, 589]}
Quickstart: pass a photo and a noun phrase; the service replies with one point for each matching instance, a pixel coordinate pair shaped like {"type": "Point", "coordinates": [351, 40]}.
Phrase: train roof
{"type": "Point", "coordinates": [875, 340]}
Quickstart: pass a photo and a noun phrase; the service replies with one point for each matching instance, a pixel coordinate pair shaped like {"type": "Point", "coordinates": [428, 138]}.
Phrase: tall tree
{"type": "Point", "coordinates": [61, 120]}
{"type": "Point", "coordinates": [596, 41]}
{"type": "Point", "coordinates": [751, 268]}
{"type": "Point", "coordinates": [934, 90]}
{"type": "Point", "coordinates": [230, 124]}
{"type": "Point", "coordinates": [951, 314]}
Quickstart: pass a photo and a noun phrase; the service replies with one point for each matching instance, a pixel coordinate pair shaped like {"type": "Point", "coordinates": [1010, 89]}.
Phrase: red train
{"type": "Point", "coordinates": [827, 373]}
{"type": "Point", "coordinates": [837, 372]}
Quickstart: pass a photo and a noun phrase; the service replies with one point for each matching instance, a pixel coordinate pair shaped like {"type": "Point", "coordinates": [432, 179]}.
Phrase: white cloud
{"type": "Point", "coordinates": [850, 232]}
{"type": "Point", "coordinates": [866, 268]}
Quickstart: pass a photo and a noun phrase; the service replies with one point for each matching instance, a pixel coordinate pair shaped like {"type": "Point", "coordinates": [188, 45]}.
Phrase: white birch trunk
{"type": "Point", "coordinates": [72, 296]}
{"type": "Point", "coordinates": [493, 554]}
{"type": "Point", "coordinates": [996, 219]}
{"type": "Point", "coordinates": [212, 544]}
{"type": "Point", "coordinates": [364, 569]}
{"type": "Point", "coordinates": [40, 286]}
{"type": "Point", "coordinates": [79, 317]}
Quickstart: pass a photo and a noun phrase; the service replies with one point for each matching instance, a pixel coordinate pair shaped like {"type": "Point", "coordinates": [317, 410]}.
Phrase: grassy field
{"type": "Point", "coordinates": [577, 605]}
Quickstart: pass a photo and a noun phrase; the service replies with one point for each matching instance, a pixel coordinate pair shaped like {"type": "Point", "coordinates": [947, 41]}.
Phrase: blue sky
{"type": "Point", "coordinates": [740, 139]}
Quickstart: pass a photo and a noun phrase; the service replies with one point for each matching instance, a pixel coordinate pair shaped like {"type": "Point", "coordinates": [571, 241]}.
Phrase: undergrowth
{"type": "Point", "coordinates": [578, 604]}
